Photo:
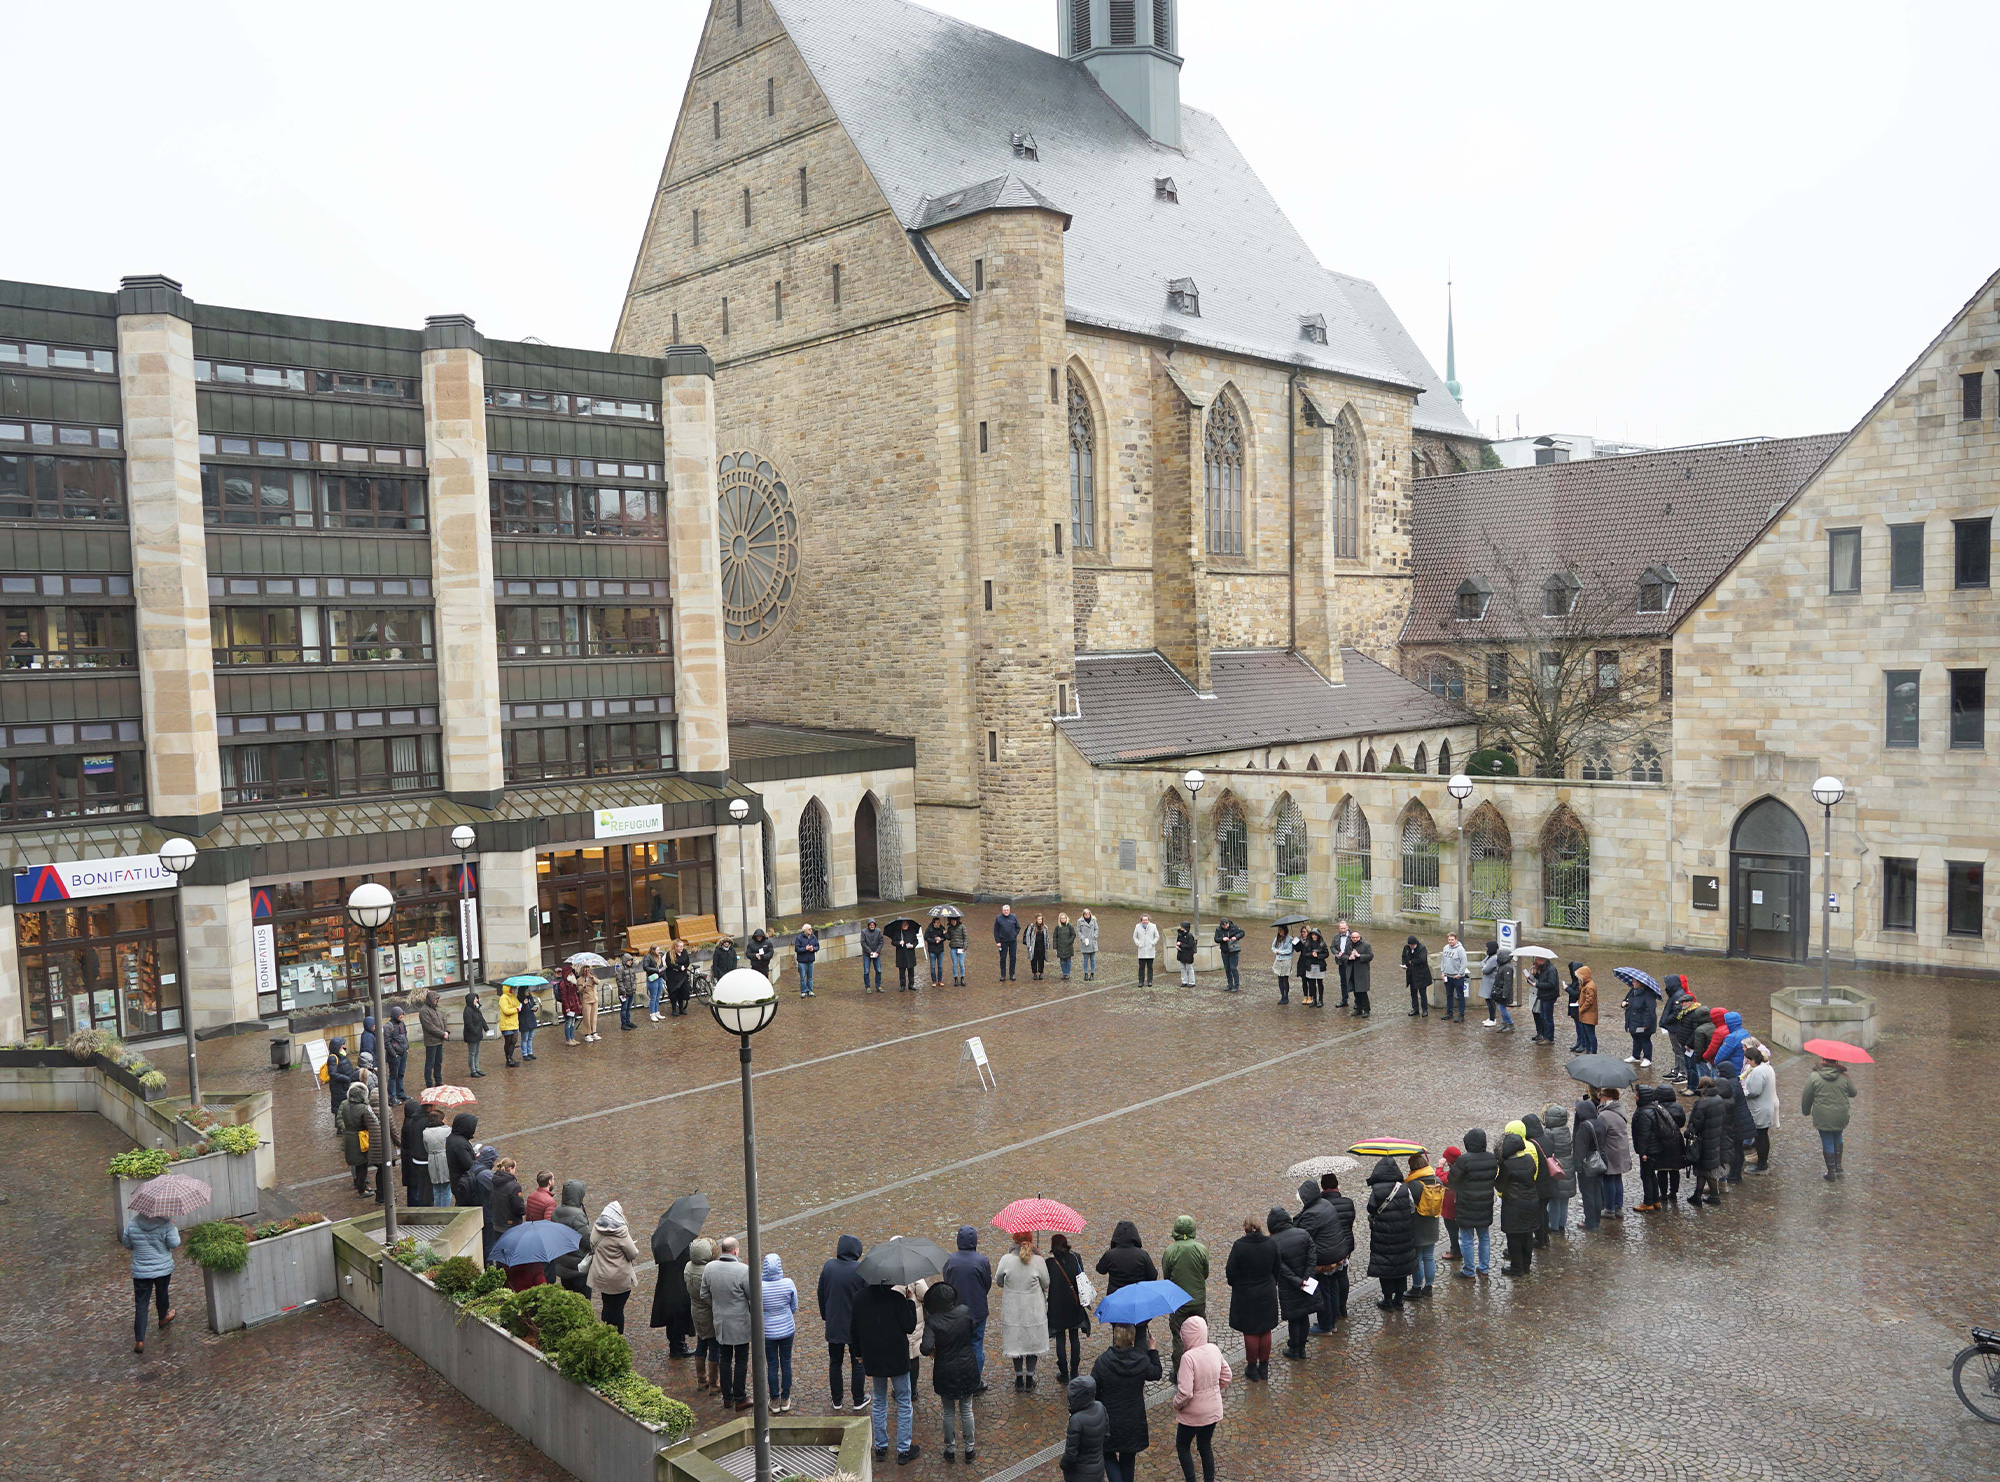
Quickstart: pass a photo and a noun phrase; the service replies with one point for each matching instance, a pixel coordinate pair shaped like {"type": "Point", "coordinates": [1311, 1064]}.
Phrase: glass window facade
{"type": "Point", "coordinates": [102, 964]}
{"type": "Point", "coordinates": [590, 897]}
{"type": "Point", "coordinates": [322, 957]}
{"type": "Point", "coordinates": [71, 785]}
{"type": "Point", "coordinates": [43, 486]}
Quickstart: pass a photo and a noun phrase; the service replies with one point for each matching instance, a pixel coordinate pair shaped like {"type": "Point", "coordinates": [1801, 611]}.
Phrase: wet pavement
{"type": "Point", "coordinates": [1805, 1329]}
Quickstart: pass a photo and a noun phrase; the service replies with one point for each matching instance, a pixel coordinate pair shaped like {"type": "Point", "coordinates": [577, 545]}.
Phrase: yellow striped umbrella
{"type": "Point", "coordinates": [1387, 1147]}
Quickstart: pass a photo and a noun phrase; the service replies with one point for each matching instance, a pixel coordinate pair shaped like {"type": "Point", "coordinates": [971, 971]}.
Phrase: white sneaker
{"type": "Point", "coordinates": [1489, 1023]}
{"type": "Point", "coordinates": [654, 1017]}
{"type": "Point", "coordinates": [1632, 1060]}
{"type": "Point", "coordinates": [1645, 1062]}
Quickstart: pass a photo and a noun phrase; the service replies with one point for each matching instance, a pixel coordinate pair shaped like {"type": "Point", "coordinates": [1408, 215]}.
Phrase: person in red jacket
{"type": "Point", "coordinates": [1449, 1214]}
{"type": "Point", "coordinates": [1717, 1036]}
{"type": "Point", "coordinates": [570, 1001]}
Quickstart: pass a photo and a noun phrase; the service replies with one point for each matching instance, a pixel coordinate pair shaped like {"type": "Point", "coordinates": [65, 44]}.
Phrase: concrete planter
{"type": "Point", "coordinates": [576, 1428]}
{"type": "Point", "coordinates": [284, 1274]}
{"type": "Point", "coordinates": [232, 1178]}
{"type": "Point", "coordinates": [701, 1459]}
{"type": "Point", "coordinates": [357, 1249]}
{"type": "Point", "coordinates": [1797, 1015]}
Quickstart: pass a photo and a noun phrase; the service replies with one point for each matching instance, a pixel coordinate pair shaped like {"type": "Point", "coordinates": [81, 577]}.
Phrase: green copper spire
{"type": "Point", "coordinates": [1450, 347]}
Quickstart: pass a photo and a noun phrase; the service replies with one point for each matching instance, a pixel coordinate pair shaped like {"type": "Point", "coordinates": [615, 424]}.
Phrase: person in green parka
{"type": "Point", "coordinates": [1827, 1095]}
{"type": "Point", "coordinates": [1063, 938]}
{"type": "Point", "coordinates": [1185, 1264]}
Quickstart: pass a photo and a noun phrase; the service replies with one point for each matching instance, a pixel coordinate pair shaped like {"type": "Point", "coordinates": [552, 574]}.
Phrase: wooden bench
{"type": "Point", "coordinates": [698, 931]}
{"type": "Point", "coordinates": [651, 934]}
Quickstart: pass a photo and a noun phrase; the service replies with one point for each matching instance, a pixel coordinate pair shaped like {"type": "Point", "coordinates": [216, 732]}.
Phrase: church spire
{"type": "Point", "coordinates": [1450, 345]}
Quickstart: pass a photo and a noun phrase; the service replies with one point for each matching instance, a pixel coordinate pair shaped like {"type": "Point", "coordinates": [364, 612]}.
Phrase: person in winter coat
{"type": "Point", "coordinates": [481, 1182]}
{"type": "Point", "coordinates": [1252, 1271]}
{"type": "Point", "coordinates": [1642, 1007]}
{"type": "Point", "coordinates": [947, 1343]}
{"type": "Point", "coordinates": [840, 1282]}
{"type": "Point", "coordinates": [1708, 1131]}
{"type": "Point", "coordinates": [461, 1153]}
{"type": "Point", "coordinates": [971, 1278]}
{"type": "Point", "coordinates": [510, 1025]}
{"type": "Point", "coordinates": [436, 1137]}
{"type": "Point", "coordinates": [1423, 1227]}
{"type": "Point", "coordinates": [341, 1072]}
{"type": "Point", "coordinates": [1007, 938]}
{"type": "Point", "coordinates": [936, 936]}
{"type": "Point", "coordinates": [701, 1311]}
{"type": "Point", "coordinates": [1088, 928]}
{"type": "Point", "coordinates": [1126, 1260]}
{"type": "Point", "coordinates": [1328, 1215]}
{"type": "Point", "coordinates": [1742, 1126]}
{"type": "Point", "coordinates": [1589, 1142]}
{"type": "Point", "coordinates": [1548, 988]}
{"type": "Point", "coordinates": [1284, 960]}
{"type": "Point", "coordinates": [569, 1000]}
{"type": "Point", "coordinates": [1083, 1443]}
{"type": "Point", "coordinates": [1711, 1041]}
{"type": "Point", "coordinates": [1145, 947]}
{"type": "Point", "coordinates": [759, 951]}
{"type": "Point", "coordinates": [1545, 1181]}
{"type": "Point", "coordinates": [805, 953]}
{"type": "Point", "coordinates": [531, 1020]}
{"type": "Point", "coordinates": [1474, 1176]}
{"type": "Point", "coordinates": [1560, 1146]}
{"type": "Point", "coordinates": [1730, 1053]}
{"type": "Point", "coordinates": [726, 1281]}
{"type": "Point", "coordinates": [880, 1327]}
{"type": "Point", "coordinates": [1122, 1373]}
{"type": "Point", "coordinates": [1503, 987]}
{"type": "Point", "coordinates": [362, 1142]}
{"type": "Point", "coordinates": [396, 1048]}
{"type": "Point", "coordinates": [507, 1207]}
{"type": "Point", "coordinates": [414, 1162]}
{"type": "Point", "coordinates": [872, 944]}
{"type": "Point", "coordinates": [781, 1325]}
{"type": "Point", "coordinates": [1067, 1314]}
{"type": "Point", "coordinates": [1063, 939]}
{"type": "Point", "coordinates": [437, 1034]}
{"type": "Point", "coordinates": [679, 973]}
{"type": "Point", "coordinates": [1828, 1096]}
{"type": "Point", "coordinates": [1354, 963]}
{"type": "Point", "coordinates": [1315, 959]}
{"type": "Point", "coordinates": [1035, 938]}
{"type": "Point", "coordinates": [1586, 1011]}
{"type": "Point", "coordinates": [570, 1211]}
{"type": "Point", "coordinates": [541, 1202]}
{"type": "Point", "coordinates": [152, 1239]}
{"type": "Point", "coordinates": [1520, 1209]}
{"type": "Point", "coordinates": [1454, 969]}
{"type": "Point", "coordinates": [1294, 1269]}
{"type": "Point", "coordinates": [905, 937]}
{"type": "Point", "coordinates": [472, 1027]}
{"type": "Point", "coordinates": [1023, 1279]}
{"type": "Point", "coordinates": [368, 1038]}
{"type": "Point", "coordinates": [1760, 1089]}
{"type": "Point", "coordinates": [1646, 1134]}
{"type": "Point", "coordinates": [1392, 1244]}
{"type": "Point", "coordinates": [1229, 940]}
{"type": "Point", "coordinates": [1614, 1140]}
{"type": "Point", "coordinates": [955, 942]}
{"type": "Point", "coordinates": [1448, 1208]}
{"type": "Point", "coordinates": [721, 963]}
{"type": "Point", "coordinates": [1198, 1399]}
{"type": "Point", "coordinates": [1185, 1264]}
{"type": "Point", "coordinates": [1417, 977]}
{"type": "Point", "coordinates": [1184, 952]}
{"type": "Point", "coordinates": [671, 1309]}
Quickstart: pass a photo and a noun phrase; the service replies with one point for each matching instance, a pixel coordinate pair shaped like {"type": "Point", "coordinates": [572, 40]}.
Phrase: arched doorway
{"type": "Point", "coordinates": [1770, 900]}
{"type": "Point", "coordinates": [867, 852]}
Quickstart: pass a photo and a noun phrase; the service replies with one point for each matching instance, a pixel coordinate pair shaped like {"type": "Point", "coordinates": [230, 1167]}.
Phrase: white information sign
{"type": "Point", "coordinates": [1508, 934]}
{"type": "Point", "coordinates": [618, 823]}
{"type": "Point", "coordinates": [468, 927]}
{"type": "Point", "coordinates": [974, 1054]}
{"type": "Point", "coordinates": [315, 1060]}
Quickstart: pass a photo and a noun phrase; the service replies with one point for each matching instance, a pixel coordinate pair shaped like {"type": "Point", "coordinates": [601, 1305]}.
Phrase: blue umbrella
{"type": "Point", "coordinates": [524, 980]}
{"type": "Point", "coordinates": [1141, 1300]}
{"type": "Point", "coordinates": [1632, 977]}
{"type": "Point", "coordinates": [532, 1241]}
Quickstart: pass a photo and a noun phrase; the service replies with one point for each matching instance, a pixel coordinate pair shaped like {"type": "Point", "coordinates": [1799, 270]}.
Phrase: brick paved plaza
{"type": "Point", "coordinates": [1805, 1330]}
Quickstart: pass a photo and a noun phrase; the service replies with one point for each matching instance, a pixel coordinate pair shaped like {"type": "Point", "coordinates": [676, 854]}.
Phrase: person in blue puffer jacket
{"type": "Point", "coordinates": [151, 1238]}
{"type": "Point", "coordinates": [1731, 1053]}
{"type": "Point", "coordinates": [781, 1325]}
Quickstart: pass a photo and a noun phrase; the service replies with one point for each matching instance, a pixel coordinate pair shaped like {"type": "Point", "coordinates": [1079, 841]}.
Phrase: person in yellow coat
{"type": "Point", "coordinates": [510, 1023]}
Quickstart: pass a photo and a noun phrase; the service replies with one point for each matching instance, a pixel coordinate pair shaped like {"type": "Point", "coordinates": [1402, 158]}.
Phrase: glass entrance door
{"type": "Point", "coordinates": [1770, 908]}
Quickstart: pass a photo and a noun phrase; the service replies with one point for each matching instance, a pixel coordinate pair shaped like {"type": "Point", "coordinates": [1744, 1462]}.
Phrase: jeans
{"type": "Point", "coordinates": [958, 1420]}
{"type": "Point", "coordinates": [528, 1039]}
{"type": "Point", "coordinates": [1427, 1267]}
{"type": "Point", "coordinates": [1089, 964]}
{"type": "Point", "coordinates": [1466, 1243]}
{"type": "Point", "coordinates": [440, 1196]}
{"type": "Point", "coordinates": [1196, 1436]}
{"type": "Point", "coordinates": [1010, 958]}
{"type": "Point", "coordinates": [1586, 1038]}
{"type": "Point", "coordinates": [805, 977]}
{"type": "Point", "coordinates": [624, 1012]}
{"type": "Point", "coordinates": [1613, 1196]}
{"type": "Point", "coordinates": [871, 971]}
{"type": "Point", "coordinates": [1229, 973]}
{"type": "Point", "coordinates": [899, 1387]}
{"type": "Point", "coordinates": [1592, 1190]}
{"type": "Point", "coordinates": [142, 1288]}
{"type": "Point", "coordinates": [1454, 998]}
{"type": "Point", "coordinates": [1505, 1017]}
{"type": "Point", "coordinates": [1121, 1466]}
{"type": "Point", "coordinates": [1558, 1215]}
{"type": "Point", "coordinates": [472, 1049]}
{"type": "Point", "coordinates": [778, 1366]}
{"type": "Point", "coordinates": [434, 1065]}
{"type": "Point", "coordinates": [1642, 1046]}
{"type": "Point", "coordinates": [655, 986]}
{"type": "Point", "coordinates": [735, 1369]}
{"type": "Point", "coordinates": [1829, 1143]}
{"type": "Point", "coordinates": [937, 967]}
{"type": "Point", "coordinates": [569, 1029]}
{"type": "Point", "coordinates": [979, 1347]}
{"type": "Point", "coordinates": [397, 1065]}
{"type": "Point", "coordinates": [1065, 967]}
{"type": "Point", "coordinates": [834, 1376]}
{"type": "Point", "coordinates": [958, 963]}
{"type": "Point", "coordinates": [1545, 1019]}
{"type": "Point", "coordinates": [1332, 1296]}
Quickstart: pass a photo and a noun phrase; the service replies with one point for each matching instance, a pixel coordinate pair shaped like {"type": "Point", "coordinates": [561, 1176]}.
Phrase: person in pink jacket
{"type": "Point", "coordinates": [1198, 1398]}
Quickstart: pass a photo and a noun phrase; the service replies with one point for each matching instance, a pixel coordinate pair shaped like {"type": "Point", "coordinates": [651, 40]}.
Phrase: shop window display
{"type": "Point", "coordinates": [320, 954]}
{"type": "Point", "coordinates": [108, 965]}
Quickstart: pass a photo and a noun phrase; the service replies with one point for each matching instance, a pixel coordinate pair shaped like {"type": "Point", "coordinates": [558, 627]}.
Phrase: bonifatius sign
{"type": "Point", "coordinates": [84, 878]}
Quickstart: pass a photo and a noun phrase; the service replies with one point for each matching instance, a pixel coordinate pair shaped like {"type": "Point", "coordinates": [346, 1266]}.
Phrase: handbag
{"type": "Point", "coordinates": [1085, 1294]}
{"type": "Point", "coordinates": [1556, 1170]}
{"type": "Point", "coordinates": [1593, 1163]}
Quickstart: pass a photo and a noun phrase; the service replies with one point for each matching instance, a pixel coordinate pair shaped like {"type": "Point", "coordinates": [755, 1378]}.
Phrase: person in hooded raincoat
{"type": "Point", "coordinates": [1185, 1264]}
{"type": "Point", "coordinates": [1560, 1144]}
{"type": "Point", "coordinates": [840, 1282]}
{"type": "Point", "coordinates": [1520, 1209]}
{"type": "Point", "coordinates": [781, 1325]}
{"type": "Point", "coordinates": [947, 1342]}
{"type": "Point", "coordinates": [1392, 1243]}
{"type": "Point", "coordinates": [1589, 1144]}
{"type": "Point", "coordinates": [1122, 1373]}
{"type": "Point", "coordinates": [701, 1311]}
{"type": "Point", "coordinates": [1474, 1174]}
{"type": "Point", "coordinates": [1198, 1399]}
{"type": "Point", "coordinates": [1294, 1248]}
{"type": "Point", "coordinates": [362, 1140]}
{"type": "Point", "coordinates": [971, 1278]}
{"type": "Point", "coordinates": [1083, 1442]}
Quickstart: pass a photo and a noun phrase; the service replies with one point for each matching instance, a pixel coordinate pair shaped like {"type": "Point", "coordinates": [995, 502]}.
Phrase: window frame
{"type": "Point", "coordinates": [1666, 673]}
{"type": "Point", "coordinates": [55, 628]}
{"type": "Point", "coordinates": [126, 795]}
{"type": "Point", "coordinates": [331, 768]}
{"type": "Point", "coordinates": [1968, 722]}
{"type": "Point", "coordinates": [53, 504]}
{"type": "Point", "coordinates": [1848, 537]}
{"type": "Point", "coordinates": [1912, 723]}
{"type": "Point", "coordinates": [1899, 893]}
{"type": "Point", "coordinates": [1569, 587]}
{"type": "Point", "coordinates": [1958, 875]}
{"type": "Point", "coordinates": [1496, 669]}
{"type": "Point", "coordinates": [1963, 542]}
{"type": "Point", "coordinates": [1900, 555]}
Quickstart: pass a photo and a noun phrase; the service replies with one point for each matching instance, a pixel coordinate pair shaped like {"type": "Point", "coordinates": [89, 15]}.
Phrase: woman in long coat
{"type": "Point", "coordinates": [1252, 1274]}
{"type": "Point", "coordinates": [1066, 1311]}
{"type": "Point", "coordinates": [1392, 1235]}
{"type": "Point", "coordinates": [1417, 977]}
{"type": "Point", "coordinates": [671, 1308]}
{"type": "Point", "coordinates": [1035, 942]}
{"type": "Point", "coordinates": [1022, 1279]}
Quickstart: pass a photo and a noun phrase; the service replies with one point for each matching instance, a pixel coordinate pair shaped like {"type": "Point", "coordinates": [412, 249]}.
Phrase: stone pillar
{"type": "Point", "coordinates": [13, 1000]}
{"type": "Point", "coordinates": [462, 559]}
{"type": "Point", "coordinates": [1180, 570]}
{"type": "Point", "coordinates": [1315, 586]}
{"type": "Point", "coordinates": [169, 554]}
{"type": "Point", "coordinates": [701, 698]}
{"type": "Point", "coordinates": [507, 892]}
{"type": "Point", "coordinates": [222, 979]}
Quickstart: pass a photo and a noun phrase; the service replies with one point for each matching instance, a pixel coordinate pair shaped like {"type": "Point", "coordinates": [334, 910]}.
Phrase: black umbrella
{"type": "Point", "coordinates": [678, 1228]}
{"type": "Point", "coordinates": [946, 911]}
{"type": "Point", "coordinates": [904, 1260]}
{"type": "Point", "coordinates": [1601, 1070]}
{"type": "Point", "coordinates": [1292, 921]}
{"type": "Point", "coordinates": [889, 926]}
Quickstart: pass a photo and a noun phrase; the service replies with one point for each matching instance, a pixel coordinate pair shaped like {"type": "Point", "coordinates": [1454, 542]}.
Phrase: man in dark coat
{"type": "Point", "coordinates": [1392, 1236]}
{"type": "Point", "coordinates": [1360, 954]}
{"type": "Point", "coordinates": [1083, 1443]}
{"type": "Point", "coordinates": [1338, 950]}
{"type": "Point", "coordinates": [1007, 936]}
{"type": "Point", "coordinates": [1229, 937]}
{"type": "Point", "coordinates": [1127, 1260]}
{"type": "Point", "coordinates": [396, 1052]}
{"type": "Point", "coordinates": [880, 1326]}
{"type": "Point", "coordinates": [1317, 1218]}
{"type": "Point", "coordinates": [340, 1074]}
{"type": "Point", "coordinates": [460, 1154]}
{"type": "Point", "coordinates": [1294, 1269]}
{"type": "Point", "coordinates": [971, 1276]}
{"type": "Point", "coordinates": [1474, 1174]}
{"type": "Point", "coordinates": [1743, 1126]}
{"type": "Point", "coordinates": [1331, 1263]}
{"type": "Point", "coordinates": [1251, 1272]}
{"type": "Point", "coordinates": [1548, 988]}
{"type": "Point", "coordinates": [1520, 1209]}
{"type": "Point", "coordinates": [1122, 1373]}
{"type": "Point", "coordinates": [840, 1282]}
{"type": "Point", "coordinates": [905, 935]}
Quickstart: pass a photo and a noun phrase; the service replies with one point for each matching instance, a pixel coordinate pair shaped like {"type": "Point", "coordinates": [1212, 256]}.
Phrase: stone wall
{"type": "Point", "coordinates": [786, 802]}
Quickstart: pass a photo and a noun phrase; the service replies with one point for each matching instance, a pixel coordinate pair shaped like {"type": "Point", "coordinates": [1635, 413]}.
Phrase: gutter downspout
{"type": "Point", "coordinates": [1291, 515]}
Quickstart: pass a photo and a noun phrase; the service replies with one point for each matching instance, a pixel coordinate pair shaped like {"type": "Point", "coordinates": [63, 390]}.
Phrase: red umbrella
{"type": "Point", "coordinates": [1833, 1049]}
{"type": "Point", "coordinates": [1026, 1215]}
{"type": "Point", "coordinates": [171, 1194]}
{"type": "Point", "coordinates": [447, 1096]}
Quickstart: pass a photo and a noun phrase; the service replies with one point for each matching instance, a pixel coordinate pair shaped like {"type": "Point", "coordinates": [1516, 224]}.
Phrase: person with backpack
{"type": "Point", "coordinates": [1474, 1175]}
{"type": "Point", "coordinates": [1427, 1194]}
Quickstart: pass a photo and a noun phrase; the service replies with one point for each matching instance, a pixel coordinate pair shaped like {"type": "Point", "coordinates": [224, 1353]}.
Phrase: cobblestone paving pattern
{"type": "Point", "coordinates": [1804, 1330]}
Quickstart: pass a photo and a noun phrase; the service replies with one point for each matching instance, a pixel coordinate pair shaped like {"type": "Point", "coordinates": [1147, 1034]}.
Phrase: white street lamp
{"type": "Point", "coordinates": [1460, 787]}
{"type": "Point", "coordinates": [1194, 781]}
{"type": "Point", "coordinates": [177, 855]}
{"type": "Point", "coordinates": [743, 1002]}
{"type": "Point", "coordinates": [1826, 792]}
{"type": "Point", "coordinates": [462, 839]}
{"type": "Point", "coordinates": [370, 907]}
{"type": "Point", "coordinates": [739, 810]}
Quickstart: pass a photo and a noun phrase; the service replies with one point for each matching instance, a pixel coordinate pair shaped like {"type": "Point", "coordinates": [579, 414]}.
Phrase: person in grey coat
{"type": "Point", "coordinates": [726, 1280]}
{"type": "Point", "coordinates": [1083, 1443]}
{"type": "Point", "coordinates": [1614, 1145]}
{"type": "Point", "coordinates": [1561, 1145]}
{"type": "Point", "coordinates": [151, 1238]}
{"type": "Point", "coordinates": [437, 1034]}
{"type": "Point", "coordinates": [1087, 928]}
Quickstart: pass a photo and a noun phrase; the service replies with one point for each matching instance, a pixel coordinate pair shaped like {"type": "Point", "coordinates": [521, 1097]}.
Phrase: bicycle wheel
{"type": "Point", "coordinates": [1975, 1374]}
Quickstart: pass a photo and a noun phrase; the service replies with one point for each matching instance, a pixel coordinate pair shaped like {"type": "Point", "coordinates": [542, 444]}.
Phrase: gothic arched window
{"type": "Point", "coordinates": [1288, 840]}
{"type": "Point", "coordinates": [1565, 872]}
{"type": "Point", "coordinates": [1344, 462]}
{"type": "Point", "coordinates": [1082, 471]}
{"type": "Point", "coordinates": [1222, 481]}
{"type": "Point", "coordinates": [1646, 762]}
{"type": "Point", "coordinates": [1176, 848]}
{"type": "Point", "coordinates": [1490, 863]}
{"type": "Point", "coordinates": [1353, 864]}
{"type": "Point", "coordinates": [1232, 850]}
{"type": "Point", "coordinates": [1420, 894]}
{"type": "Point", "coordinates": [815, 877]}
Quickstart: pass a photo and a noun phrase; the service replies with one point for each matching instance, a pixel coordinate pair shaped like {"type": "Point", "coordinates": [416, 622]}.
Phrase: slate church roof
{"type": "Point", "coordinates": [934, 105]}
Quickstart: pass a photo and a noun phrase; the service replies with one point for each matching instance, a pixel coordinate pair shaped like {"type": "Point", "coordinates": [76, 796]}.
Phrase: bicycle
{"type": "Point", "coordinates": [1982, 1363]}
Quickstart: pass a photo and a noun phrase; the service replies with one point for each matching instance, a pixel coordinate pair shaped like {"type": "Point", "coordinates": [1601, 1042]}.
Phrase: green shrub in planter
{"type": "Point", "coordinates": [552, 1311]}
{"type": "Point", "coordinates": [492, 1307]}
{"type": "Point", "coordinates": [643, 1400]}
{"type": "Point", "coordinates": [140, 1163]}
{"type": "Point", "coordinates": [153, 1080]}
{"type": "Point", "coordinates": [234, 1139]}
{"type": "Point", "coordinates": [491, 1280]}
{"type": "Point", "coordinates": [594, 1355]}
{"type": "Point", "coordinates": [218, 1245]}
{"type": "Point", "coordinates": [456, 1277]}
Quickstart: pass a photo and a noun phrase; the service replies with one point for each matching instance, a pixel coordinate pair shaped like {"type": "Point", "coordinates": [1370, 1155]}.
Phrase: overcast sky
{"type": "Point", "coordinates": [1670, 224]}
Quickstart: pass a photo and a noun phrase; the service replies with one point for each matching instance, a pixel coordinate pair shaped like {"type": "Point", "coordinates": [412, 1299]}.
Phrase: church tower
{"type": "Point", "coordinates": [1131, 48]}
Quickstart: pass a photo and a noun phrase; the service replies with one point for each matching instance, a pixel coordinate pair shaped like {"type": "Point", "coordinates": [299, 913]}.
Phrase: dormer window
{"type": "Point", "coordinates": [1183, 297]}
{"type": "Point", "coordinates": [1024, 145]}
{"type": "Point", "coordinates": [1474, 594]}
{"type": "Point", "coordinates": [1164, 189]}
{"type": "Point", "coordinates": [1559, 594]}
{"type": "Point", "coordinates": [1656, 589]}
{"type": "Point", "coordinates": [1312, 327]}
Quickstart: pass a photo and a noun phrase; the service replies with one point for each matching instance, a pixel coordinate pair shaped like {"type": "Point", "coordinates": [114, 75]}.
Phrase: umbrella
{"type": "Point", "coordinates": [1312, 1168]}
{"type": "Point", "coordinates": [1542, 952]}
{"type": "Point", "coordinates": [1037, 1214]}
{"type": "Point", "coordinates": [1601, 1070]}
{"type": "Point", "coordinates": [889, 926]}
{"type": "Point", "coordinates": [585, 959]}
{"type": "Point", "coordinates": [524, 980]}
{"type": "Point", "coordinates": [678, 1227]}
{"type": "Point", "coordinates": [447, 1096]}
{"type": "Point", "coordinates": [1833, 1049]}
{"type": "Point", "coordinates": [946, 911]}
{"type": "Point", "coordinates": [171, 1194]}
{"type": "Point", "coordinates": [532, 1241]}
{"type": "Point", "coordinates": [903, 1260]}
{"type": "Point", "coordinates": [1632, 977]}
{"type": "Point", "coordinates": [1141, 1300]}
{"type": "Point", "coordinates": [1292, 921]}
{"type": "Point", "coordinates": [1387, 1147]}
